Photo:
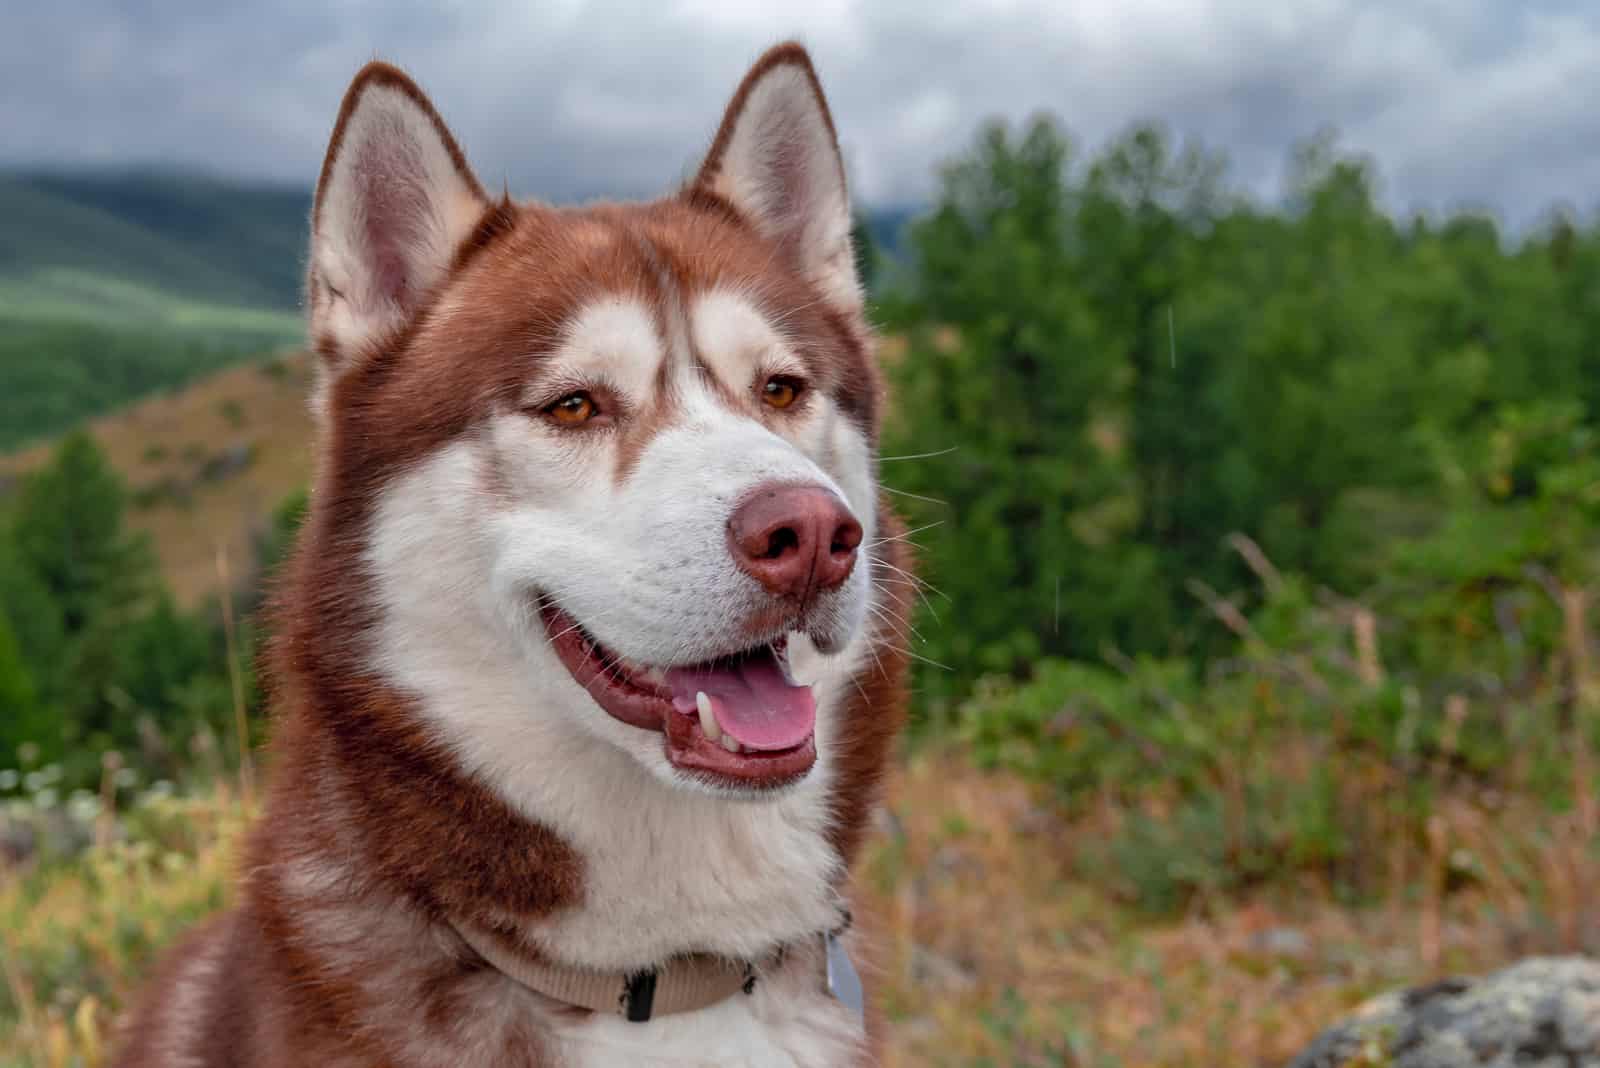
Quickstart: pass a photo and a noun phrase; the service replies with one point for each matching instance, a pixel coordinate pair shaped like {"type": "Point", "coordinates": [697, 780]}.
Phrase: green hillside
{"type": "Point", "coordinates": [178, 235]}
{"type": "Point", "coordinates": [113, 286]}
{"type": "Point", "coordinates": [197, 236]}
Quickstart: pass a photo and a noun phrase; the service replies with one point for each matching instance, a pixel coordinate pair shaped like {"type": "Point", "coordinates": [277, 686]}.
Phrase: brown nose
{"type": "Point", "coordinates": [794, 540]}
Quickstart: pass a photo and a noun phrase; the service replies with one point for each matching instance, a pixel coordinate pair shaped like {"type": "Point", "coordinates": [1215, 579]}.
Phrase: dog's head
{"type": "Point", "coordinates": [607, 470]}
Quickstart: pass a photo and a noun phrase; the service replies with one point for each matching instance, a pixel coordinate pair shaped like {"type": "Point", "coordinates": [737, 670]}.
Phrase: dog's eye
{"type": "Point", "coordinates": [780, 391]}
{"type": "Point", "coordinates": [574, 409]}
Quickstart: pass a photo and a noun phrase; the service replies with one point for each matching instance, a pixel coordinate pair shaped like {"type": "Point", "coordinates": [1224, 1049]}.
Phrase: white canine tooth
{"type": "Point", "coordinates": [730, 745]}
{"type": "Point", "coordinates": [708, 722]}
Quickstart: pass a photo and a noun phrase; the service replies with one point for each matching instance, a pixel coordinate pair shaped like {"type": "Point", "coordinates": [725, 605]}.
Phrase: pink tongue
{"type": "Point", "coordinates": [754, 702]}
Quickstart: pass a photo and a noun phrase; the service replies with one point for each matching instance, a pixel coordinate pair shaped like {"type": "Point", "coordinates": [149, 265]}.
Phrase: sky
{"type": "Point", "coordinates": [1483, 104]}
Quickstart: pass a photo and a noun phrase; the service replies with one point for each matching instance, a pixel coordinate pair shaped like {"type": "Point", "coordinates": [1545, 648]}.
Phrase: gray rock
{"type": "Point", "coordinates": [1539, 1013]}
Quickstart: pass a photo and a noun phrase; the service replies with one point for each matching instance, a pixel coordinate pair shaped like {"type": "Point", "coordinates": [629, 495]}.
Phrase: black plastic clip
{"type": "Point", "coordinates": [639, 995]}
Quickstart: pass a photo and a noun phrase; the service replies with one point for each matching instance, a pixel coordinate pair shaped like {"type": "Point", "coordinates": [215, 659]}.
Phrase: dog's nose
{"type": "Point", "coordinates": [794, 540]}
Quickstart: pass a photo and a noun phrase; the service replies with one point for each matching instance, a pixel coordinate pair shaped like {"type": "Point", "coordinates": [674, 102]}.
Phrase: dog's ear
{"type": "Point", "coordinates": [395, 201]}
{"type": "Point", "coordinates": [776, 161]}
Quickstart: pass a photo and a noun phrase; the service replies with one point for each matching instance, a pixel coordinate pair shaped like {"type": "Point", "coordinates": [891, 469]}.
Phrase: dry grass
{"type": "Point", "coordinates": [992, 953]}
{"type": "Point", "coordinates": [167, 439]}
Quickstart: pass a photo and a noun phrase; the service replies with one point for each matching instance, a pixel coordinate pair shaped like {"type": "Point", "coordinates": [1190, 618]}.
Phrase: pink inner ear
{"type": "Point", "coordinates": [781, 160]}
{"type": "Point", "coordinates": [787, 185]}
{"type": "Point", "coordinates": [389, 176]}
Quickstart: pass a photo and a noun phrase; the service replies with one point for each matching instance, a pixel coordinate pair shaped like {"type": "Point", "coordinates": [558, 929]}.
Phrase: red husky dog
{"type": "Point", "coordinates": [586, 669]}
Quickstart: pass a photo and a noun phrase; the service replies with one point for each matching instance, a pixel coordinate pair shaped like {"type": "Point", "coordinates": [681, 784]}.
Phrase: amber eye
{"type": "Point", "coordinates": [574, 409]}
{"type": "Point", "coordinates": [780, 391]}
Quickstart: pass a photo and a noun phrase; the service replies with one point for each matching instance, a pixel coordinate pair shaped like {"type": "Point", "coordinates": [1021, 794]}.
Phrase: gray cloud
{"type": "Point", "coordinates": [1477, 102]}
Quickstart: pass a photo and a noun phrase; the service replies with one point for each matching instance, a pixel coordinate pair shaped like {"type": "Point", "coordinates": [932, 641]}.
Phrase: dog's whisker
{"type": "Point", "coordinates": [918, 455]}
{"type": "Point", "coordinates": [920, 582]}
{"type": "Point", "coordinates": [910, 627]}
{"type": "Point", "coordinates": [917, 585]}
{"type": "Point", "coordinates": [914, 496]}
{"type": "Point", "coordinates": [905, 537]}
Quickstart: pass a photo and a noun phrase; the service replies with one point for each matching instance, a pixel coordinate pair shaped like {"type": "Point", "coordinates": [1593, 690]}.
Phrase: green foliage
{"type": "Point", "coordinates": [1283, 750]}
{"type": "Point", "coordinates": [1288, 752]}
{"type": "Point", "coordinates": [69, 559]}
{"type": "Point", "coordinates": [94, 653]}
{"type": "Point", "coordinates": [33, 616]}
{"type": "Point", "coordinates": [1005, 365]}
{"type": "Point", "coordinates": [1076, 725]}
{"type": "Point", "coordinates": [166, 650]}
{"type": "Point", "coordinates": [68, 533]}
{"type": "Point", "coordinates": [1127, 364]}
{"type": "Point", "coordinates": [1290, 756]}
{"type": "Point", "coordinates": [18, 695]}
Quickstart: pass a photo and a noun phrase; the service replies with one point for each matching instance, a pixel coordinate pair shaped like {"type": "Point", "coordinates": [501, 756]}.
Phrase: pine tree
{"type": "Point", "coordinates": [71, 552]}
{"type": "Point", "coordinates": [69, 533]}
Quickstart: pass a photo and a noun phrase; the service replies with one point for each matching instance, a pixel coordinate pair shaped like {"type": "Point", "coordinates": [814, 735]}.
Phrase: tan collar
{"type": "Point", "coordinates": [682, 984]}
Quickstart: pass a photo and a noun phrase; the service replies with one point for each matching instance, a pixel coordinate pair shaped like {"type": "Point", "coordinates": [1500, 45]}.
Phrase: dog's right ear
{"type": "Point", "coordinates": [776, 162]}
{"type": "Point", "coordinates": [395, 201]}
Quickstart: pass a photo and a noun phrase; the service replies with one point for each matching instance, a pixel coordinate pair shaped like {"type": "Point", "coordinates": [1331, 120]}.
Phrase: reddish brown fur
{"type": "Point", "coordinates": [370, 830]}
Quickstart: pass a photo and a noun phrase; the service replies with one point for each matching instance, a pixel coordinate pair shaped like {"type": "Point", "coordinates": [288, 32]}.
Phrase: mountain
{"type": "Point", "coordinates": [194, 238]}
{"type": "Point", "coordinates": [198, 238]}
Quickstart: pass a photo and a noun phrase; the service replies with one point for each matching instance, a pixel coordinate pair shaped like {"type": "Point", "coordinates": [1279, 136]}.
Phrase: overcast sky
{"type": "Point", "coordinates": [1492, 103]}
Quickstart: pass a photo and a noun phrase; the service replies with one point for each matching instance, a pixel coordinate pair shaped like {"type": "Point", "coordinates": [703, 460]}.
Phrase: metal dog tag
{"type": "Point", "coordinates": [843, 982]}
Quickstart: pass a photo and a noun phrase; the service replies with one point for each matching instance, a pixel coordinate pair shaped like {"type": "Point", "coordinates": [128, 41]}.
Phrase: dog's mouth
{"type": "Point", "coordinates": [738, 720]}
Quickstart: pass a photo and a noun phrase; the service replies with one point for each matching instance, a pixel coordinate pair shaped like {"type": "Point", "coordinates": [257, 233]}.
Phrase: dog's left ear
{"type": "Point", "coordinates": [776, 161]}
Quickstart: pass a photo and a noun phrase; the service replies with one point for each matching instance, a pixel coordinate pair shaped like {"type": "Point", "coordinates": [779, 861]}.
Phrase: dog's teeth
{"type": "Point", "coordinates": [655, 675]}
{"type": "Point", "coordinates": [730, 745]}
{"type": "Point", "coordinates": [708, 722]}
